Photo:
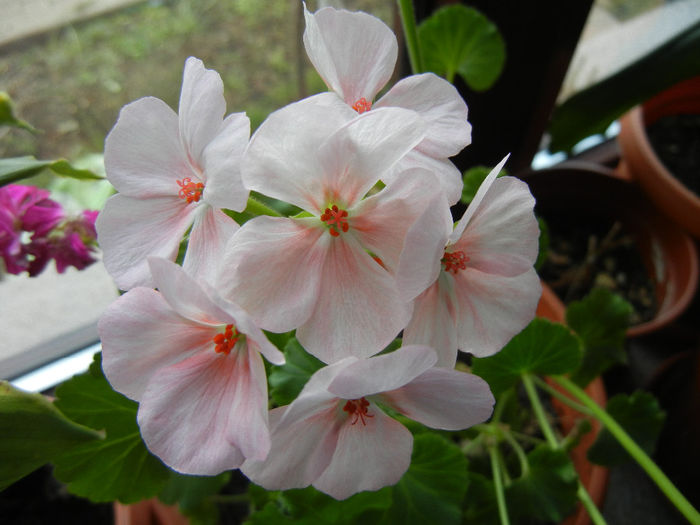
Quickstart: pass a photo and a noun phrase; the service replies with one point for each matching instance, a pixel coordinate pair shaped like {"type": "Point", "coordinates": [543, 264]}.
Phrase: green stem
{"type": "Point", "coordinates": [561, 397]}
{"type": "Point", "coordinates": [537, 407]}
{"type": "Point", "coordinates": [585, 498]}
{"type": "Point", "coordinates": [522, 457]}
{"type": "Point", "coordinates": [498, 485]}
{"type": "Point", "coordinates": [255, 208]}
{"type": "Point", "coordinates": [408, 20]}
{"type": "Point", "coordinates": [654, 472]}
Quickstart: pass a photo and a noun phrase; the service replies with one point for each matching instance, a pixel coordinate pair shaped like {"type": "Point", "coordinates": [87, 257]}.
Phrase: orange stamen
{"type": "Point", "coordinates": [336, 219]}
{"type": "Point", "coordinates": [362, 105]}
{"type": "Point", "coordinates": [455, 261]}
{"type": "Point", "coordinates": [189, 190]}
{"type": "Point", "coordinates": [227, 340]}
{"type": "Point", "coordinates": [357, 408]}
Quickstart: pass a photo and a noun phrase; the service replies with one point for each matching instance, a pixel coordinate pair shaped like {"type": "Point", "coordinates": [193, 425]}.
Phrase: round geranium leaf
{"type": "Point", "coordinates": [542, 347]}
{"type": "Point", "coordinates": [459, 39]}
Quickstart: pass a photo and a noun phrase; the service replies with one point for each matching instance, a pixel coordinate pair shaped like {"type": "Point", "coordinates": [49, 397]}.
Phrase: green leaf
{"type": "Point", "coordinates": [7, 114]}
{"type": "Point", "coordinates": [459, 39]}
{"type": "Point", "coordinates": [592, 110]}
{"type": "Point", "coordinates": [547, 491]}
{"type": "Point", "coordinates": [287, 381]}
{"type": "Point", "coordinates": [33, 432]}
{"type": "Point", "coordinates": [472, 179]}
{"type": "Point", "coordinates": [193, 494]}
{"type": "Point", "coordinates": [600, 320]}
{"type": "Point", "coordinates": [17, 168]}
{"type": "Point", "coordinates": [433, 488]}
{"type": "Point", "coordinates": [118, 467]}
{"type": "Point", "coordinates": [543, 243]}
{"type": "Point", "coordinates": [640, 415]}
{"type": "Point", "coordinates": [542, 347]}
{"type": "Point", "coordinates": [480, 506]}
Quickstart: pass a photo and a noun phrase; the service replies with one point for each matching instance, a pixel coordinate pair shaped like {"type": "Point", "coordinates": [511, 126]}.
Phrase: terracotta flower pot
{"type": "Point", "coordinates": [582, 193]}
{"type": "Point", "coordinates": [593, 477]}
{"type": "Point", "coordinates": [641, 162]}
{"type": "Point", "coordinates": [148, 512]}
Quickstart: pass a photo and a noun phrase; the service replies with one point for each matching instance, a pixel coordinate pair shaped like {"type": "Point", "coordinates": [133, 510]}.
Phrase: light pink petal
{"type": "Point", "coordinates": [444, 399]}
{"type": "Point", "coordinates": [202, 108]}
{"type": "Point", "coordinates": [476, 201]}
{"type": "Point", "coordinates": [358, 154]}
{"type": "Point", "coordinates": [140, 333]}
{"type": "Point", "coordinates": [441, 107]}
{"type": "Point", "coordinates": [502, 234]}
{"type": "Point", "coordinates": [419, 264]}
{"type": "Point", "coordinates": [449, 177]}
{"type": "Point", "coordinates": [282, 159]}
{"type": "Point", "coordinates": [206, 414]}
{"type": "Point", "coordinates": [367, 457]}
{"type": "Point", "coordinates": [211, 231]}
{"type": "Point", "coordinates": [129, 230]}
{"type": "Point", "coordinates": [222, 164]}
{"type": "Point", "coordinates": [272, 268]}
{"type": "Point", "coordinates": [377, 374]}
{"type": "Point", "coordinates": [300, 449]}
{"type": "Point", "coordinates": [493, 308]}
{"type": "Point", "coordinates": [354, 53]}
{"type": "Point", "coordinates": [382, 221]}
{"type": "Point", "coordinates": [143, 154]}
{"type": "Point", "coordinates": [434, 321]}
{"type": "Point", "coordinates": [359, 309]}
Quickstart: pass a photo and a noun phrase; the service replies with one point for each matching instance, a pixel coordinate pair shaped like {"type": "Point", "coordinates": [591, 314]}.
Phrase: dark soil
{"type": "Point", "coordinates": [676, 141]}
{"type": "Point", "coordinates": [600, 254]}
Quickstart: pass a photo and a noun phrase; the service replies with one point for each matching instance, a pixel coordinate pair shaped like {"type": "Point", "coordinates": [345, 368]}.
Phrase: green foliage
{"type": "Point", "coordinates": [7, 114]}
{"type": "Point", "coordinates": [33, 432]}
{"type": "Point", "coordinates": [600, 320]}
{"type": "Point", "coordinates": [459, 39]}
{"type": "Point", "coordinates": [472, 179]}
{"type": "Point", "coordinates": [287, 381]}
{"type": "Point", "coordinates": [641, 417]}
{"type": "Point", "coordinates": [193, 495]}
{"type": "Point", "coordinates": [542, 347]}
{"type": "Point", "coordinates": [543, 241]}
{"type": "Point", "coordinates": [118, 467]}
{"type": "Point", "coordinates": [18, 168]}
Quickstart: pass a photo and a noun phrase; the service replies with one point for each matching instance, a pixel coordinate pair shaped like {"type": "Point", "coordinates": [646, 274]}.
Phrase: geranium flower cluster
{"type": "Point", "coordinates": [34, 229]}
{"type": "Point", "coordinates": [371, 253]}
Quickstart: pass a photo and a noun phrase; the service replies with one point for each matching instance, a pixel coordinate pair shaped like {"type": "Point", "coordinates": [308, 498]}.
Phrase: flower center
{"type": "Point", "coordinates": [362, 105]}
{"type": "Point", "coordinates": [336, 219]}
{"type": "Point", "coordinates": [227, 340]}
{"type": "Point", "coordinates": [357, 408]}
{"type": "Point", "coordinates": [191, 191]}
{"type": "Point", "coordinates": [455, 261]}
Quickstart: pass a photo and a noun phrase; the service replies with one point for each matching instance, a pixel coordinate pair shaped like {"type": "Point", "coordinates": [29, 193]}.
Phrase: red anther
{"type": "Point", "coordinates": [358, 408]}
{"type": "Point", "coordinates": [362, 105]}
{"type": "Point", "coordinates": [189, 190]}
{"type": "Point", "coordinates": [227, 340]}
{"type": "Point", "coordinates": [335, 218]}
{"type": "Point", "coordinates": [455, 261]}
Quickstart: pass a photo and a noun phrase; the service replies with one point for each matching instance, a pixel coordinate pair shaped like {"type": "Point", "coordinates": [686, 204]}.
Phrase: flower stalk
{"type": "Point", "coordinates": [408, 21]}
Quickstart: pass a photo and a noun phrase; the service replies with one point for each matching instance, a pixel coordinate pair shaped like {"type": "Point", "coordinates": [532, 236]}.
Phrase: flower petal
{"type": "Point", "coordinates": [367, 457]}
{"type": "Point", "coordinates": [441, 107]}
{"type": "Point", "coordinates": [211, 231]}
{"type": "Point", "coordinates": [206, 414]}
{"type": "Point", "coordinates": [358, 310]}
{"type": "Point", "coordinates": [502, 234]}
{"type": "Point", "coordinates": [222, 164]}
{"type": "Point", "coordinates": [354, 53]}
{"type": "Point", "coordinates": [129, 230]}
{"type": "Point", "coordinates": [443, 399]}
{"type": "Point", "coordinates": [493, 308]}
{"type": "Point", "coordinates": [272, 268]}
{"type": "Point", "coordinates": [140, 334]}
{"type": "Point", "coordinates": [143, 154]}
{"type": "Point", "coordinates": [202, 108]}
{"type": "Point", "coordinates": [434, 321]}
{"type": "Point", "coordinates": [366, 377]}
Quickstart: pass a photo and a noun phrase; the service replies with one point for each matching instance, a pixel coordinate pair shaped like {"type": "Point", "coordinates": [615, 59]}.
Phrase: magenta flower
{"type": "Point", "coordinates": [329, 272]}
{"type": "Point", "coordinates": [334, 436]}
{"type": "Point", "coordinates": [192, 360]}
{"type": "Point", "coordinates": [355, 54]}
{"type": "Point", "coordinates": [76, 245]}
{"type": "Point", "coordinates": [476, 286]}
{"type": "Point", "coordinates": [172, 172]}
